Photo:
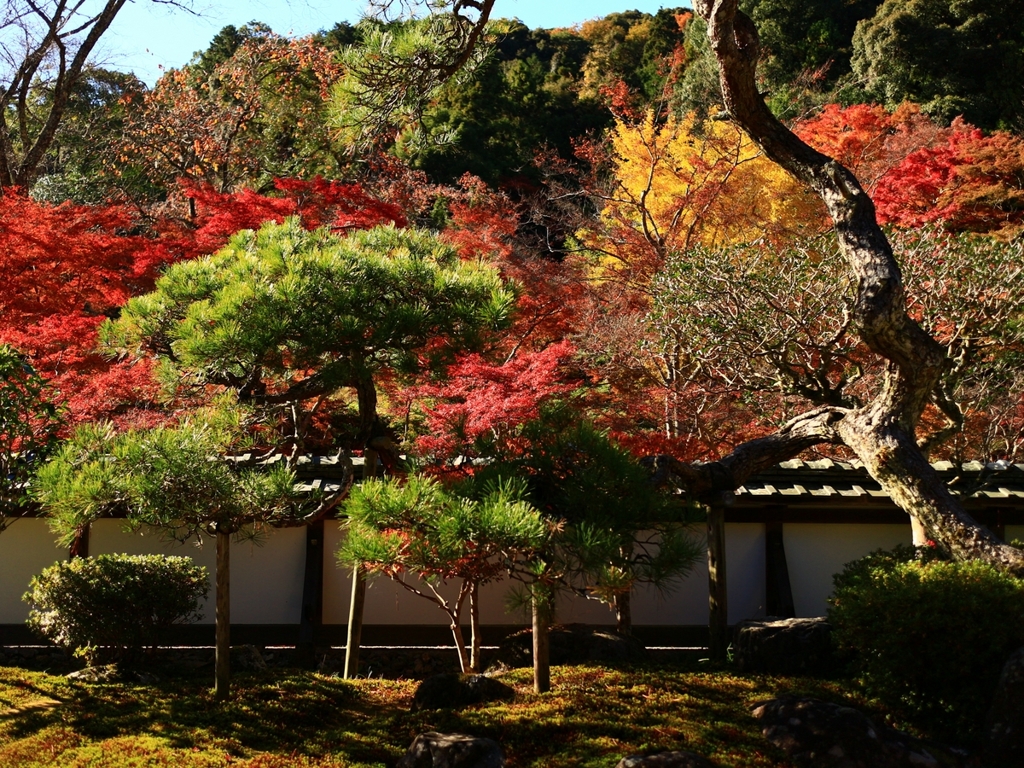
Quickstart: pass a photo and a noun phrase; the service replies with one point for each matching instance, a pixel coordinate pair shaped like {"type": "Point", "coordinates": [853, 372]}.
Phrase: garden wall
{"type": "Point", "coordinates": [267, 578]}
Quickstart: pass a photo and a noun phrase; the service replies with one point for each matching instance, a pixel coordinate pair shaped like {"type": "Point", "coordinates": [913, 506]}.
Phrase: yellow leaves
{"type": "Point", "coordinates": [680, 184]}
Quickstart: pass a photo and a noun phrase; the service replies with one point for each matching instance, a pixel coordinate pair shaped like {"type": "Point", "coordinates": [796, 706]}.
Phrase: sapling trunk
{"type": "Point", "coordinates": [355, 623]}
{"type": "Point", "coordinates": [541, 642]}
{"type": "Point", "coordinates": [474, 626]}
{"type": "Point", "coordinates": [624, 613]}
{"type": "Point", "coordinates": [367, 400]}
{"type": "Point", "coordinates": [460, 644]}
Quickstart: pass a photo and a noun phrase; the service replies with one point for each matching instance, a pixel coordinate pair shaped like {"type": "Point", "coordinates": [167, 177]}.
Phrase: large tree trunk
{"type": "Point", "coordinates": [882, 433]}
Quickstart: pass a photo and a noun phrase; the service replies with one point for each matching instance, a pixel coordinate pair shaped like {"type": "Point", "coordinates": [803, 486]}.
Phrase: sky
{"type": "Point", "coordinates": [147, 37]}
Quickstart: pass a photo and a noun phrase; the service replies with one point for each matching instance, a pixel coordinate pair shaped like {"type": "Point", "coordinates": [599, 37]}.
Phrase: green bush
{"type": "Point", "coordinates": [113, 606]}
{"type": "Point", "coordinates": [928, 637]}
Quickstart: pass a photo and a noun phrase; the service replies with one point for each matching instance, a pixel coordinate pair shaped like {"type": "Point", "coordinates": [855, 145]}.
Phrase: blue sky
{"type": "Point", "coordinates": [147, 36]}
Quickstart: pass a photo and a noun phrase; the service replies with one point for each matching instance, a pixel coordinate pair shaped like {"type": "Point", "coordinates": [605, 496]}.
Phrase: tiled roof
{"type": "Point", "coordinates": [827, 479]}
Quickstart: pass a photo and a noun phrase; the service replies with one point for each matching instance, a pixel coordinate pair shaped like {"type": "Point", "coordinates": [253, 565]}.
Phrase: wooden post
{"type": "Point", "coordinates": [541, 642]}
{"type": "Point", "coordinates": [355, 608]}
{"type": "Point", "coordinates": [718, 599]}
{"type": "Point", "coordinates": [311, 617]}
{"type": "Point", "coordinates": [778, 593]}
{"type": "Point", "coordinates": [223, 641]}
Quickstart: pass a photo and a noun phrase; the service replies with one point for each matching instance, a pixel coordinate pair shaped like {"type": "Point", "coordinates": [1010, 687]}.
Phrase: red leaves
{"type": "Point", "coordinates": [318, 203]}
{"type": "Point", "coordinates": [970, 183]}
{"type": "Point", "coordinates": [66, 268]}
{"type": "Point", "coordinates": [481, 399]}
{"type": "Point", "coordinates": [919, 172]}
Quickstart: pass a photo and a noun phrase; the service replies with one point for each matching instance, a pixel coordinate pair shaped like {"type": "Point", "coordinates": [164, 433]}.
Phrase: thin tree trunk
{"type": "Point", "coordinates": [624, 613]}
{"type": "Point", "coordinates": [358, 601]}
{"type": "Point", "coordinates": [474, 627]}
{"type": "Point", "coordinates": [541, 642]}
{"type": "Point", "coordinates": [718, 593]}
{"type": "Point", "coordinates": [355, 623]}
{"type": "Point", "coordinates": [222, 685]}
{"type": "Point", "coordinates": [460, 645]}
{"type": "Point", "coordinates": [624, 600]}
{"type": "Point", "coordinates": [882, 433]}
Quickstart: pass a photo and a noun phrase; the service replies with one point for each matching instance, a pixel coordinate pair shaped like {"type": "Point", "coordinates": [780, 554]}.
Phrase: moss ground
{"type": "Point", "coordinates": [276, 719]}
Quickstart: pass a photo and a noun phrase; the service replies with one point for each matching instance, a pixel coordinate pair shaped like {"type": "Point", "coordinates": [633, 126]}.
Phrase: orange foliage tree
{"type": "Point", "coordinates": [257, 115]}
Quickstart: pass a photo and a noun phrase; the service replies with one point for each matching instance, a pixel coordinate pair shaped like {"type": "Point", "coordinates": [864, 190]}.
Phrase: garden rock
{"type": "Point", "coordinates": [819, 734]}
{"type": "Point", "coordinates": [574, 644]}
{"type": "Point", "coordinates": [678, 759]}
{"type": "Point", "coordinates": [113, 673]}
{"type": "Point", "coordinates": [1005, 728]}
{"type": "Point", "coordinates": [452, 750]}
{"type": "Point", "coordinates": [450, 691]}
{"type": "Point", "coordinates": [785, 646]}
{"type": "Point", "coordinates": [247, 658]}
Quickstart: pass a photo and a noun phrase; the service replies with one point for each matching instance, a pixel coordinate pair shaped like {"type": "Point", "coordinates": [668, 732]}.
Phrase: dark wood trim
{"type": "Point", "coordinates": [882, 513]}
{"type": "Point", "coordinates": [312, 611]}
{"type": "Point", "coordinates": [718, 591]}
{"type": "Point", "coordinates": [398, 635]}
{"type": "Point", "coordinates": [777, 588]}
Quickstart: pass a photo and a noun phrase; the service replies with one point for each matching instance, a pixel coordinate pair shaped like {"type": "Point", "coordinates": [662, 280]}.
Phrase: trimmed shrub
{"type": "Point", "coordinates": [927, 636]}
{"type": "Point", "coordinates": [113, 606]}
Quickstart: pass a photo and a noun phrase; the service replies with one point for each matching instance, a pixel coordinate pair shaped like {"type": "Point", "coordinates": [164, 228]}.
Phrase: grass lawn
{"type": "Point", "coordinates": [593, 717]}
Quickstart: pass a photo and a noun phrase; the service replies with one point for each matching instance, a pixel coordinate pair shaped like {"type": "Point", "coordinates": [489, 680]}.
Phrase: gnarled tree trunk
{"type": "Point", "coordinates": [882, 433]}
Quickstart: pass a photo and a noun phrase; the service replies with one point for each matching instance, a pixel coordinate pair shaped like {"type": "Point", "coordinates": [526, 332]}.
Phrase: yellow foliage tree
{"type": "Point", "coordinates": [674, 189]}
{"type": "Point", "coordinates": [680, 184]}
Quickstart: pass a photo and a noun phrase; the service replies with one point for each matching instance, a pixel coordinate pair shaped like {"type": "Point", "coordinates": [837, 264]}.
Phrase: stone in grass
{"type": "Point", "coordinates": [785, 646]}
{"type": "Point", "coordinates": [113, 673]}
{"type": "Point", "coordinates": [817, 734]}
{"type": "Point", "coordinates": [451, 691]}
{"type": "Point", "coordinates": [678, 759]}
{"type": "Point", "coordinates": [1004, 744]}
{"type": "Point", "coordinates": [247, 658]}
{"type": "Point", "coordinates": [452, 750]}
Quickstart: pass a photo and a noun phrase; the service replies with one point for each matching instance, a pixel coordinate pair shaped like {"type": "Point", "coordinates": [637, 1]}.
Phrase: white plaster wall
{"type": "Point", "coordinates": [389, 603]}
{"type": "Point", "coordinates": [1015, 532]}
{"type": "Point", "coordinates": [26, 548]}
{"type": "Point", "coordinates": [814, 552]}
{"type": "Point", "coordinates": [266, 578]}
{"type": "Point", "coordinates": [686, 603]}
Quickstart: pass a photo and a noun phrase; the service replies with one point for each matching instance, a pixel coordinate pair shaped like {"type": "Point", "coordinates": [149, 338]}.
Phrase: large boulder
{"type": "Point", "coordinates": [451, 691]}
{"type": "Point", "coordinates": [785, 646]}
{"type": "Point", "coordinates": [819, 734]}
{"type": "Point", "coordinates": [678, 759]}
{"type": "Point", "coordinates": [574, 644]}
{"type": "Point", "coordinates": [452, 750]}
{"type": "Point", "coordinates": [1004, 743]}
